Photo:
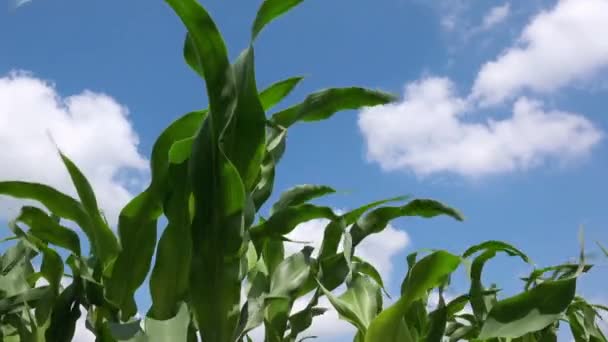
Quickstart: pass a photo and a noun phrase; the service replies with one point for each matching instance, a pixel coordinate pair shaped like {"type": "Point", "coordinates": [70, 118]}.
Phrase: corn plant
{"type": "Point", "coordinates": [220, 268]}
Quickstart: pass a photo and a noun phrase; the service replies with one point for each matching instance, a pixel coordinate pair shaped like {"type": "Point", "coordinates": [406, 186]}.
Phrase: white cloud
{"type": "Point", "coordinates": [428, 132]}
{"type": "Point", "coordinates": [559, 46]}
{"type": "Point", "coordinates": [496, 15]}
{"type": "Point", "coordinates": [91, 128]}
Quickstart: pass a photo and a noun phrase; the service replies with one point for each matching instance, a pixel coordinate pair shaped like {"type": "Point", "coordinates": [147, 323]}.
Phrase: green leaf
{"type": "Point", "coordinates": [284, 221]}
{"type": "Point", "coordinates": [323, 104]}
{"type": "Point", "coordinates": [334, 230]}
{"type": "Point", "coordinates": [46, 229]}
{"type": "Point", "coordinates": [364, 267]}
{"type": "Point", "coordinates": [291, 273]}
{"type": "Point", "coordinates": [219, 192]}
{"type": "Point", "coordinates": [27, 298]}
{"type": "Point", "coordinates": [58, 203]}
{"type": "Point", "coordinates": [300, 194]}
{"type": "Point", "coordinates": [66, 312]}
{"type": "Point", "coordinates": [127, 332]}
{"type": "Point", "coordinates": [180, 150]}
{"type": "Point", "coordinates": [489, 249]}
{"type": "Point", "coordinates": [138, 220]}
{"type": "Point", "coordinates": [428, 273]}
{"type": "Point", "coordinates": [206, 52]}
{"type": "Point", "coordinates": [244, 139]}
{"type": "Point", "coordinates": [104, 241]}
{"type": "Point", "coordinates": [529, 311]}
{"type": "Point", "coordinates": [437, 322]}
{"type": "Point", "coordinates": [269, 11]}
{"type": "Point", "coordinates": [276, 92]}
{"type": "Point", "coordinates": [170, 277]}
{"type": "Point", "coordinates": [173, 329]}
{"type": "Point", "coordinates": [498, 246]}
{"type": "Point", "coordinates": [273, 254]}
{"type": "Point", "coordinates": [376, 220]}
{"type": "Point", "coordinates": [360, 304]}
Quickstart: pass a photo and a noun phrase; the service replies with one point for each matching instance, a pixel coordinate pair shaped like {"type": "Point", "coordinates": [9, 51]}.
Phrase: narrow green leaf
{"type": "Point", "coordinates": [207, 53]}
{"type": "Point", "coordinates": [376, 220]}
{"type": "Point", "coordinates": [244, 139]}
{"type": "Point", "coordinates": [284, 221]}
{"type": "Point", "coordinates": [323, 104]}
{"type": "Point", "coordinates": [104, 241]}
{"type": "Point", "coordinates": [529, 311]}
{"type": "Point", "coordinates": [334, 230]}
{"type": "Point", "coordinates": [219, 192]}
{"type": "Point", "coordinates": [276, 92]}
{"type": "Point", "coordinates": [269, 11]}
{"type": "Point", "coordinates": [300, 194]}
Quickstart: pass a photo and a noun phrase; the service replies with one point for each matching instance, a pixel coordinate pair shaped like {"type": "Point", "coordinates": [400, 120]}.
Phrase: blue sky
{"type": "Point", "coordinates": [502, 110]}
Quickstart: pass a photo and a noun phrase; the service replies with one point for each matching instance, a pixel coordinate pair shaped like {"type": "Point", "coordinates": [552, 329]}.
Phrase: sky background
{"type": "Point", "coordinates": [501, 113]}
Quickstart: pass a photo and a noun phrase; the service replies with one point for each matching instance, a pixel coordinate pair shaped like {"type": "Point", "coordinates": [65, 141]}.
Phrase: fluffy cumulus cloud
{"type": "Point", "coordinates": [91, 128]}
{"type": "Point", "coordinates": [433, 130]}
{"type": "Point", "coordinates": [557, 47]}
{"type": "Point", "coordinates": [429, 132]}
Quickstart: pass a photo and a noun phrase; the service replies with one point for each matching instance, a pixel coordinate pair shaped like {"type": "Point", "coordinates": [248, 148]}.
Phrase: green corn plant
{"type": "Point", "coordinates": [212, 172]}
{"type": "Point", "coordinates": [220, 268]}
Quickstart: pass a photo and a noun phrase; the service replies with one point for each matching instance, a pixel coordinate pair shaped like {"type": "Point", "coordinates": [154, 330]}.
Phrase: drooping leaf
{"type": "Point", "coordinates": [529, 311]}
{"type": "Point", "coordinates": [323, 104]}
{"type": "Point", "coordinates": [46, 229]}
{"type": "Point", "coordinates": [58, 203]}
{"type": "Point", "coordinates": [300, 194]}
{"type": "Point", "coordinates": [334, 230]}
{"type": "Point", "coordinates": [489, 249]}
{"type": "Point", "coordinates": [269, 11]}
{"type": "Point", "coordinates": [376, 220]}
{"type": "Point", "coordinates": [284, 221]}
